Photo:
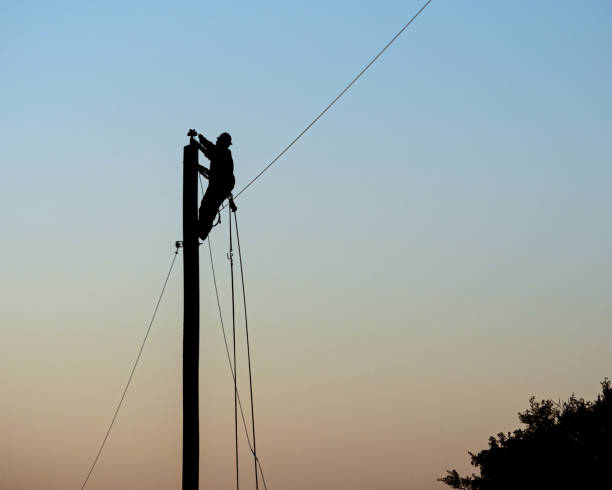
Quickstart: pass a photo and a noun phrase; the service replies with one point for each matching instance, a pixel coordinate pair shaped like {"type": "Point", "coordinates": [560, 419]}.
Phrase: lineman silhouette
{"type": "Point", "coordinates": [220, 177]}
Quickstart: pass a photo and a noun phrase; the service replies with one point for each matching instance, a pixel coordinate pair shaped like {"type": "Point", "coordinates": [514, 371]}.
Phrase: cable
{"type": "Point", "coordinates": [246, 326]}
{"type": "Point", "coordinates": [229, 361]}
{"type": "Point", "coordinates": [201, 186]}
{"type": "Point", "coordinates": [132, 373]}
{"type": "Point", "coordinates": [333, 101]}
{"type": "Point", "coordinates": [231, 258]}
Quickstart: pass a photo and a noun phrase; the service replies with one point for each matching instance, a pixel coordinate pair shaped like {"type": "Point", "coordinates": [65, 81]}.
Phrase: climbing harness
{"type": "Point", "coordinates": [218, 218]}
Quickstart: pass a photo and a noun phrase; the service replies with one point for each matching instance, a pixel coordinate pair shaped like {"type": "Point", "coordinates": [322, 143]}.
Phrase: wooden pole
{"type": "Point", "coordinates": [191, 323]}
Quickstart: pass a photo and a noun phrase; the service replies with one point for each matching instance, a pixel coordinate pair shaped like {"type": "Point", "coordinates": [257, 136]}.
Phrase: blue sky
{"type": "Point", "coordinates": [431, 254]}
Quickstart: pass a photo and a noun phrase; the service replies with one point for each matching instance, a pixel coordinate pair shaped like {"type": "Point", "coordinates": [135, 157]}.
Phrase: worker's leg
{"type": "Point", "coordinates": [209, 207]}
{"type": "Point", "coordinates": [208, 211]}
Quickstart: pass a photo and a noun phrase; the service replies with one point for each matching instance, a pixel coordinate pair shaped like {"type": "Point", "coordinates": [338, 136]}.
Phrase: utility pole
{"type": "Point", "coordinates": [191, 319]}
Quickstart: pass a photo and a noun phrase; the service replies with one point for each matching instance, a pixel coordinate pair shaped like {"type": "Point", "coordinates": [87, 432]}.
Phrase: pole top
{"type": "Point", "coordinates": [192, 134]}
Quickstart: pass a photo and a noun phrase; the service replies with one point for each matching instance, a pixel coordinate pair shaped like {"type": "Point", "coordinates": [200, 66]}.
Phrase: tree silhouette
{"type": "Point", "coordinates": [565, 445]}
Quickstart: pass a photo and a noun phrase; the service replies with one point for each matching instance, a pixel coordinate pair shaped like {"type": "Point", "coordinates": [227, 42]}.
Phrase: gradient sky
{"type": "Point", "coordinates": [431, 254]}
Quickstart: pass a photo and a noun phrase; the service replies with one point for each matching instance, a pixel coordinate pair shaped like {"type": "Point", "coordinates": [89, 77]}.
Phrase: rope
{"type": "Point", "coordinates": [329, 106]}
{"type": "Point", "coordinates": [246, 326]}
{"type": "Point", "coordinates": [229, 361]}
{"type": "Point", "coordinates": [231, 259]}
{"type": "Point", "coordinates": [127, 385]}
{"type": "Point", "coordinates": [201, 186]}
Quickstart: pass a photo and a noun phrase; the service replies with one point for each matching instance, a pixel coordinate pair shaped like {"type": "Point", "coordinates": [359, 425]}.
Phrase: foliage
{"type": "Point", "coordinates": [565, 445]}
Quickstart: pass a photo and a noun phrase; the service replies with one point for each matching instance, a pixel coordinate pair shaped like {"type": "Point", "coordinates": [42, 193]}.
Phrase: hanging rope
{"type": "Point", "coordinates": [229, 362]}
{"type": "Point", "coordinates": [231, 259]}
{"type": "Point", "coordinates": [127, 385]}
{"type": "Point", "coordinates": [248, 343]}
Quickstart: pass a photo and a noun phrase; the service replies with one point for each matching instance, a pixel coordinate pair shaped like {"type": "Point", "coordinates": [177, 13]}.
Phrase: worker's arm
{"type": "Point", "coordinates": [205, 143]}
{"type": "Point", "coordinates": [206, 147]}
{"type": "Point", "coordinates": [204, 171]}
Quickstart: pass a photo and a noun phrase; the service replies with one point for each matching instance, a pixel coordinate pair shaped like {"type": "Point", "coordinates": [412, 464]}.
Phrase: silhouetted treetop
{"type": "Point", "coordinates": [564, 445]}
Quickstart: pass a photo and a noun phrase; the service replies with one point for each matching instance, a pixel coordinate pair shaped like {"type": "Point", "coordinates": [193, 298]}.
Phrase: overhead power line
{"type": "Point", "coordinates": [329, 106]}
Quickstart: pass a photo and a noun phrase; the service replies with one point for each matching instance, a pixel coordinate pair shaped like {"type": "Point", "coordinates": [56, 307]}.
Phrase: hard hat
{"type": "Point", "coordinates": [225, 139]}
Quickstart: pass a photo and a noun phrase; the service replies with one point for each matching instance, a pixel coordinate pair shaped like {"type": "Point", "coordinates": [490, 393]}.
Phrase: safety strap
{"type": "Point", "coordinates": [218, 218]}
{"type": "Point", "coordinates": [232, 206]}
